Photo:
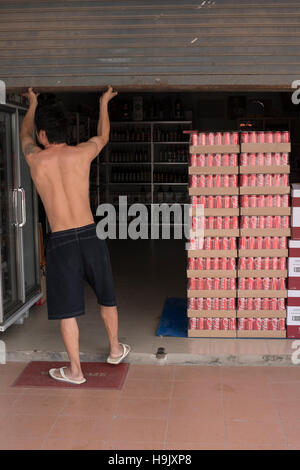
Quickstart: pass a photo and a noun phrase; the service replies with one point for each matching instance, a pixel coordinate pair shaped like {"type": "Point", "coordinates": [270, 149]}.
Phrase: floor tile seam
{"type": "Point", "coordinates": [170, 406]}
{"type": "Point", "coordinates": [279, 417]}
{"type": "Point", "coordinates": [223, 409]}
{"type": "Point", "coordinates": [59, 415]}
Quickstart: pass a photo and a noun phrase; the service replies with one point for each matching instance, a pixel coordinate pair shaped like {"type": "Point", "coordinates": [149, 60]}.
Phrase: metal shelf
{"type": "Point", "coordinates": [129, 163]}
{"type": "Point", "coordinates": [171, 163]}
{"type": "Point", "coordinates": [130, 142]}
{"type": "Point", "coordinates": [117, 123]}
{"type": "Point", "coordinates": [136, 184]}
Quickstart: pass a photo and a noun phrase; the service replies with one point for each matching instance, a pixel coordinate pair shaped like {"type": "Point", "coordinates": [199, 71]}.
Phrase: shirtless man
{"type": "Point", "coordinates": [74, 252]}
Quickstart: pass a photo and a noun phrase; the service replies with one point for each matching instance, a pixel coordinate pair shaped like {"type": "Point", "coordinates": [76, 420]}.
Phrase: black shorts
{"type": "Point", "coordinates": [73, 256]}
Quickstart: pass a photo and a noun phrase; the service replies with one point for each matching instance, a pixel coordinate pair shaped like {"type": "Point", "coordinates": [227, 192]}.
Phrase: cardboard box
{"type": "Point", "coordinates": [265, 211]}
{"type": "Point", "coordinates": [266, 148]}
{"type": "Point", "coordinates": [295, 218]}
{"type": "Point", "coordinates": [215, 212]}
{"type": "Point", "coordinates": [283, 252]}
{"type": "Point", "coordinates": [294, 248]}
{"type": "Point", "coordinates": [271, 169]}
{"type": "Point", "coordinates": [295, 191]}
{"type": "Point", "coordinates": [294, 265]}
{"type": "Point", "coordinates": [265, 232]}
{"type": "Point", "coordinates": [215, 254]}
{"type": "Point", "coordinates": [212, 333]}
{"type": "Point", "coordinates": [295, 233]}
{"type": "Point", "coordinates": [213, 232]}
{"type": "Point", "coordinates": [211, 293]}
{"type": "Point", "coordinates": [261, 313]}
{"type": "Point", "coordinates": [264, 190]}
{"type": "Point", "coordinates": [215, 149]}
{"type": "Point", "coordinates": [262, 293]}
{"type": "Point", "coordinates": [261, 333]}
{"type": "Point", "coordinates": [293, 283]}
{"type": "Point", "coordinates": [293, 317]}
{"type": "Point", "coordinates": [293, 314]}
{"type": "Point", "coordinates": [293, 331]}
{"type": "Point", "coordinates": [262, 273]}
{"type": "Point", "coordinates": [211, 313]}
{"type": "Point", "coordinates": [214, 191]}
{"type": "Point", "coordinates": [213, 170]}
{"type": "Point", "coordinates": [227, 273]}
{"type": "Point", "coordinates": [293, 301]}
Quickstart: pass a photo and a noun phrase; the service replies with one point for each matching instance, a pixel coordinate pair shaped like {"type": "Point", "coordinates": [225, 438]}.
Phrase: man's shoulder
{"type": "Point", "coordinates": [31, 151]}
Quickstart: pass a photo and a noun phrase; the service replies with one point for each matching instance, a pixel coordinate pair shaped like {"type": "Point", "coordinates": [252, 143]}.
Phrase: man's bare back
{"type": "Point", "coordinates": [61, 172]}
{"type": "Point", "coordinates": [61, 176]}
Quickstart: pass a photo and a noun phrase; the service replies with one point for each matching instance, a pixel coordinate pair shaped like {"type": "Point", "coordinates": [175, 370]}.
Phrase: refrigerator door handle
{"type": "Point", "coordinates": [15, 206]}
{"type": "Point", "coordinates": [22, 191]}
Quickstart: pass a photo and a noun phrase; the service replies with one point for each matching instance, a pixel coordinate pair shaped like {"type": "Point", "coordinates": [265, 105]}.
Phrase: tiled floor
{"type": "Point", "coordinates": [159, 407]}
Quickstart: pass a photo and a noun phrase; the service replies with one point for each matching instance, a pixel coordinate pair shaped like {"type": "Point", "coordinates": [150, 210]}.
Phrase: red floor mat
{"type": "Point", "coordinates": [98, 374]}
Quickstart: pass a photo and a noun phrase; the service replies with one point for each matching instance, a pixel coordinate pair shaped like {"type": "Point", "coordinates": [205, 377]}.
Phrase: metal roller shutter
{"type": "Point", "coordinates": [166, 44]}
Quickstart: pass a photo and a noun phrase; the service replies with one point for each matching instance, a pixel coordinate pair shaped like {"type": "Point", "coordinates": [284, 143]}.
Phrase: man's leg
{"type": "Point", "coordinates": [70, 334]}
{"type": "Point", "coordinates": [110, 318]}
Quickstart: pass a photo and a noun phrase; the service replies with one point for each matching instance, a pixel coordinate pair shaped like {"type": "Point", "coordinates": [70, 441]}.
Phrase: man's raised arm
{"type": "Point", "coordinates": [94, 145]}
{"type": "Point", "coordinates": [26, 134]}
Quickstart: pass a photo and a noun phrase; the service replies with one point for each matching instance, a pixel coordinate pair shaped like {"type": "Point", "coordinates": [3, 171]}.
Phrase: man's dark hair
{"type": "Point", "coordinates": [51, 117]}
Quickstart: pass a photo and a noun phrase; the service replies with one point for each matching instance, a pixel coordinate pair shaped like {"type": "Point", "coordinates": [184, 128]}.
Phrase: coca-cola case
{"type": "Point", "coordinates": [295, 216]}
{"type": "Point", "coordinates": [294, 265]}
{"type": "Point", "coordinates": [293, 314]}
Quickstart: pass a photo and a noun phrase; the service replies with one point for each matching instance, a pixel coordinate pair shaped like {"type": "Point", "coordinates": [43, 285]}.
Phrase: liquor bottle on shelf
{"type": "Point", "coordinates": [137, 113]}
{"type": "Point", "coordinates": [142, 197]}
{"type": "Point", "coordinates": [160, 195]}
{"type": "Point", "coordinates": [152, 109]}
{"type": "Point", "coordinates": [178, 111]}
{"type": "Point", "coordinates": [157, 135]}
{"type": "Point", "coordinates": [169, 195]}
{"type": "Point", "coordinates": [125, 111]}
{"type": "Point", "coordinates": [129, 157]}
{"type": "Point", "coordinates": [136, 175]}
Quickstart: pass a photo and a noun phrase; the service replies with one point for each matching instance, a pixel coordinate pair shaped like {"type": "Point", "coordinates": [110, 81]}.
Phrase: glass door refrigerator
{"type": "Point", "coordinates": [19, 244]}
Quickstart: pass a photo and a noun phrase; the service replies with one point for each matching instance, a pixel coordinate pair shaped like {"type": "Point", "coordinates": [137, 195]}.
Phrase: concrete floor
{"type": "Point", "coordinates": [145, 272]}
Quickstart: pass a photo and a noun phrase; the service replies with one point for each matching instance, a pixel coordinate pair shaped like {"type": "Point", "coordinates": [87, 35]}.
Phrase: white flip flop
{"type": "Point", "coordinates": [63, 377]}
{"type": "Point", "coordinates": [117, 360]}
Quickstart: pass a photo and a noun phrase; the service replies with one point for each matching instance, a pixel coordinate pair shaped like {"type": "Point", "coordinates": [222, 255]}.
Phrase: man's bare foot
{"type": "Point", "coordinates": [68, 374]}
{"type": "Point", "coordinates": [124, 350]}
{"type": "Point", "coordinates": [118, 351]}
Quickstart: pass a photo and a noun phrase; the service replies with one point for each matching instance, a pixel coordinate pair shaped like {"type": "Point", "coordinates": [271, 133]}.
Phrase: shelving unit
{"type": "Point", "coordinates": [166, 160]}
{"type": "Point", "coordinates": [137, 145]}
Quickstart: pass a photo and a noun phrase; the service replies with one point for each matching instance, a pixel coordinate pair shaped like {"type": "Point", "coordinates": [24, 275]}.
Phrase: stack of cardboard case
{"type": "Point", "coordinates": [212, 251]}
{"type": "Point", "coordinates": [264, 228]}
{"type": "Point", "coordinates": [237, 257]}
{"type": "Point", "coordinates": [293, 302]}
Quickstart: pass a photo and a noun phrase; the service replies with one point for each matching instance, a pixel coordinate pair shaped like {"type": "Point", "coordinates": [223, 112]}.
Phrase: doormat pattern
{"type": "Point", "coordinates": [99, 375]}
{"type": "Point", "coordinates": [173, 321]}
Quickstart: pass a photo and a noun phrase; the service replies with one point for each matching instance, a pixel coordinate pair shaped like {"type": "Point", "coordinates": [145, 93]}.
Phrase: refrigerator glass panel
{"type": "Point", "coordinates": [28, 231]}
{"type": "Point", "coordinates": [7, 218]}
